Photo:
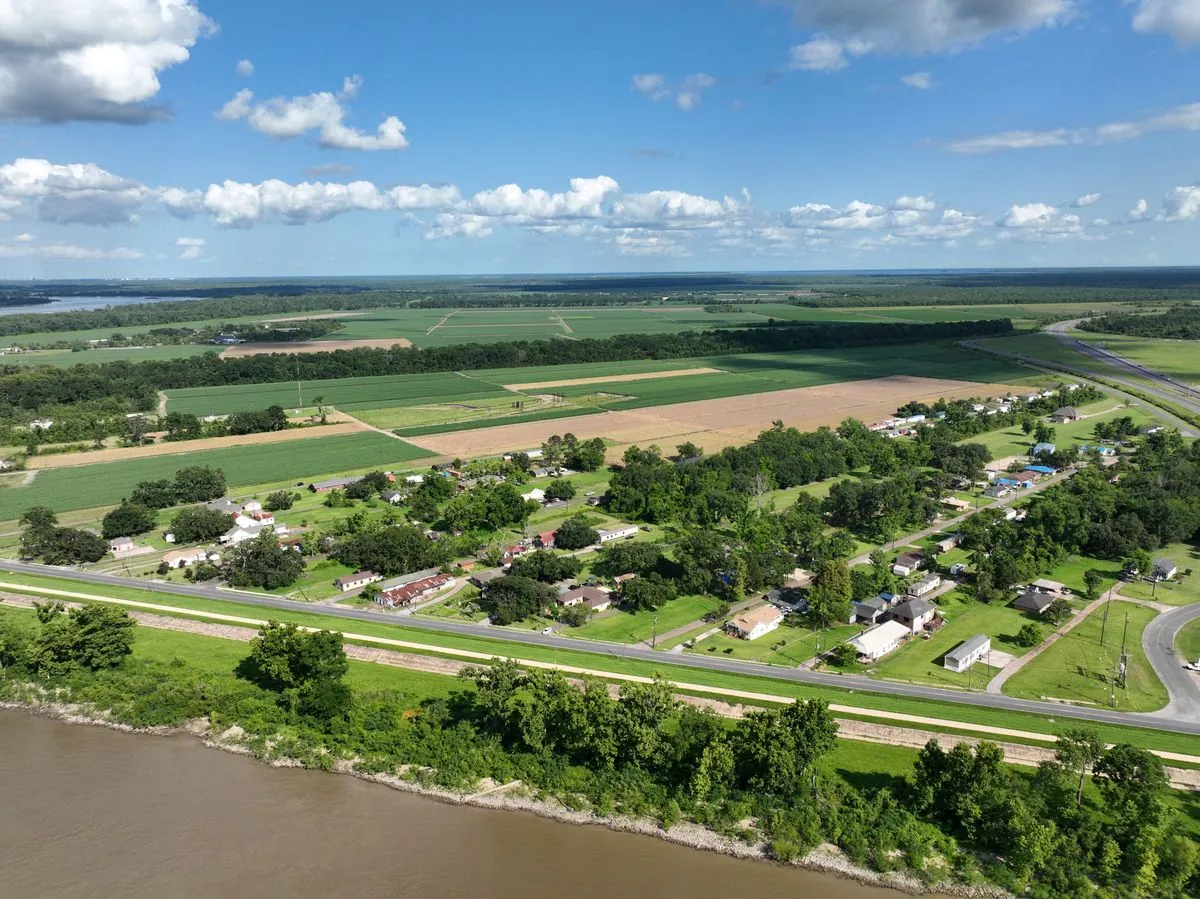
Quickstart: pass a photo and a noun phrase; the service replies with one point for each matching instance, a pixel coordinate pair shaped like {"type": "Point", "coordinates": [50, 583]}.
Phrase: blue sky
{"type": "Point", "coordinates": [198, 138]}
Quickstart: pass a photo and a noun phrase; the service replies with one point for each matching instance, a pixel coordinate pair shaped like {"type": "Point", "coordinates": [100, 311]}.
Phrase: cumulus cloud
{"type": "Point", "coordinates": [245, 68]}
{"type": "Point", "coordinates": [1140, 211]}
{"type": "Point", "coordinates": [686, 94]}
{"type": "Point", "coordinates": [1178, 18]}
{"type": "Point", "coordinates": [1181, 118]}
{"type": "Point", "coordinates": [847, 28]}
{"type": "Point", "coordinates": [191, 247]}
{"type": "Point", "coordinates": [1039, 221]}
{"type": "Point", "coordinates": [1086, 200]}
{"type": "Point", "coordinates": [235, 204]}
{"type": "Point", "coordinates": [922, 81]}
{"type": "Point", "coordinates": [71, 194]}
{"type": "Point", "coordinates": [323, 112]}
{"type": "Point", "coordinates": [63, 60]}
{"type": "Point", "coordinates": [1182, 203]}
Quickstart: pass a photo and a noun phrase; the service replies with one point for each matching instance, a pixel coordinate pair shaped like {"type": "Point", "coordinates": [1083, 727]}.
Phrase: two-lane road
{"type": "Point", "coordinates": [1183, 687]}
{"type": "Point", "coordinates": [844, 682]}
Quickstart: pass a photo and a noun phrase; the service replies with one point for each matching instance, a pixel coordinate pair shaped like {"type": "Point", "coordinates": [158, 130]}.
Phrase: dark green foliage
{"type": "Point", "coordinates": [262, 562]}
{"type": "Point", "coordinates": [41, 538]}
{"type": "Point", "coordinates": [199, 525]}
{"type": "Point", "coordinates": [488, 508]}
{"type": "Point", "coordinates": [93, 637]}
{"type": "Point", "coordinates": [561, 490]}
{"type": "Point", "coordinates": [651, 591]}
{"type": "Point", "coordinates": [306, 668]}
{"type": "Point", "coordinates": [154, 494]}
{"type": "Point", "coordinates": [1179, 323]}
{"type": "Point", "coordinates": [546, 566]}
{"type": "Point", "coordinates": [512, 598]}
{"type": "Point", "coordinates": [127, 520]}
{"type": "Point", "coordinates": [575, 533]}
{"type": "Point", "coordinates": [1029, 635]}
{"type": "Point", "coordinates": [280, 501]}
{"type": "Point", "coordinates": [273, 418]}
{"type": "Point", "coordinates": [198, 484]}
{"type": "Point", "coordinates": [390, 550]}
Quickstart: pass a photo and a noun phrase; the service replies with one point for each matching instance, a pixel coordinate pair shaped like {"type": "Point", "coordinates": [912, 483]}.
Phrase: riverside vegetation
{"type": "Point", "coordinates": [1097, 822]}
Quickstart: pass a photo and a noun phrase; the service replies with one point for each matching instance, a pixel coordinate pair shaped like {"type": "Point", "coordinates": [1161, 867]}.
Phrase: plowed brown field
{"type": "Point", "coordinates": [310, 346]}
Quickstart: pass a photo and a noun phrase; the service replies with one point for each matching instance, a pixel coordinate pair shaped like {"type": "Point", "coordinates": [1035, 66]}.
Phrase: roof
{"type": "Point", "coordinates": [589, 595]}
{"type": "Point", "coordinates": [1040, 448]}
{"type": "Point", "coordinates": [176, 555]}
{"type": "Point", "coordinates": [483, 577]}
{"type": "Point", "coordinates": [876, 603]}
{"type": "Point", "coordinates": [913, 608]}
{"type": "Point", "coordinates": [357, 576]}
{"type": "Point", "coordinates": [1033, 602]}
{"type": "Point", "coordinates": [391, 494]}
{"type": "Point", "coordinates": [879, 638]}
{"type": "Point", "coordinates": [927, 579]}
{"type": "Point", "coordinates": [1042, 469]}
{"type": "Point", "coordinates": [331, 483]}
{"type": "Point", "coordinates": [916, 557]}
{"type": "Point", "coordinates": [1164, 565]}
{"type": "Point", "coordinates": [748, 621]}
{"type": "Point", "coordinates": [619, 529]}
{"type": "Point", "coordinates": [964, 649]}
{"type": "Point", "coordinates": [1067, 412]}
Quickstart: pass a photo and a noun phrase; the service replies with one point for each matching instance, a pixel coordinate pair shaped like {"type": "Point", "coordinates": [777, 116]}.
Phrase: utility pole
{"type": "Point", "coordinates": [299, 395]}
{"type": "Point", "coordinates": [1104, 621]}
{"type": "Point", "coordinates": [1124, 657]}
{"type": "Point", "coordinates": [654, 639]}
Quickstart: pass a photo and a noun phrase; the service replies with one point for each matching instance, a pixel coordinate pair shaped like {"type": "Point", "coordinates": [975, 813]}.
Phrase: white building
{"type": "Point", "coordinates": [349, 582]}
{"type": "Point", "coordinates": [879, 641]}
{"type": "Point", "coordinates": [924, 586]}
{"type": "Point", "coordinates": [180, 558]}
{"type": "Point", "coordinates": [537, 494]}
{"type": "Point", "coordinates": [627, 530]}
{"type": "Point", "coordinates": [967, 653]}
{"type": "Point", "coordinates": [415, 479]}
{"type": "Point", "coordinates": [755, 623]}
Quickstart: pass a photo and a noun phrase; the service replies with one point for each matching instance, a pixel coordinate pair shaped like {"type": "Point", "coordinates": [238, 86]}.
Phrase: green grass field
{"type": "Point", "coordinates": [1079, 669]}
{"type": "Point", "coordinates": [105, 483]}
{"type": "Point", "coordinates": [1188, 642]}
{"type": "Point", "coordinates": [1183, 590]}
{"type": "Point", "coordinates": [786, 646]}
{"type": "Point", "coordinates": [1178, 358]}
{"type": "Point", "coordinates": [624, 627]}
{"type": "Point", "coordinates": [1015, 442]}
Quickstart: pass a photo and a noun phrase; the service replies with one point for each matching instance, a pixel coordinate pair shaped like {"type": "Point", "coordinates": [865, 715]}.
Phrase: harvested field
{"type": "Point", "coordinates": [310, 346]}
{"type": "Point", "coordinates": [618, 379]}
{"type": "Point", "coordinates": [66, 460]}
{"type": "Point", "coordinates": [714, 424]}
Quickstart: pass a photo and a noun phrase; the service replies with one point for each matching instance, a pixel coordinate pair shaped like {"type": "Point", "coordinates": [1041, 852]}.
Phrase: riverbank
{"type": "Point", "coordinates": [509, 797]}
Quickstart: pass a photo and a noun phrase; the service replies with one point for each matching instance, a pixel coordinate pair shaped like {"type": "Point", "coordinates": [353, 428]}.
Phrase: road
{"type": "Point", "coordinates": [733, 666]}
{"type": "Point", "coordinates": [1183, 687]}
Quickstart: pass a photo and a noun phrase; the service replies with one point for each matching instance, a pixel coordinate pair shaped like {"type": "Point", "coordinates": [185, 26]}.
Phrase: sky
{"type": "Point", "coordinates": [214, 138]}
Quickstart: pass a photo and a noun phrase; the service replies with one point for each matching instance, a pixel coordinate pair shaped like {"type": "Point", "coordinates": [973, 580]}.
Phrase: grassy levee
{"type": "Point", "coordinates": [106, 483]}
{"type": "Point", "coordinates": [434, 642]}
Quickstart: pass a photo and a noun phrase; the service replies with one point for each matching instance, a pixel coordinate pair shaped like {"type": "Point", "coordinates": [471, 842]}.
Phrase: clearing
{"type": "Point", "coordinates": [311, 346]}
{"type": "Point", "coordinates": [717, 423]}
{"type": "Point", "coordinates": [610, 379]}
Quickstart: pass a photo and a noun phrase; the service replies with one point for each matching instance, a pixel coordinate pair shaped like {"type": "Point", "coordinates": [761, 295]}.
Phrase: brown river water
{"type": "Point", "coordinates": [89, 812]}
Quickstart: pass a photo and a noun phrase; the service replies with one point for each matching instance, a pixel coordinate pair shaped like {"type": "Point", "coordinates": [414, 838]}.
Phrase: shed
{"type": "Point", "coordinates": [1164, 569]}
{"type": "Point", "coordinates": [967, 653]}
{"type": "Point", "coordinates": [1066, 414]}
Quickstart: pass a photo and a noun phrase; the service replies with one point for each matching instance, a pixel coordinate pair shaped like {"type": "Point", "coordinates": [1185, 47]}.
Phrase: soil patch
{"type": "Point", "coordinates": [617, 379]}
{"type": "Point", "coordinates": [67, 460]}
{"type": "Point", "coordinates": [715, 424]}
{"type": "Point", "coordinates": [310, 346]}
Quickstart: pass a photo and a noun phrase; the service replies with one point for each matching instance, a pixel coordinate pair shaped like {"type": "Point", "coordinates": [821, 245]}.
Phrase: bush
{"type": "Point", "coordinates": [1029, 635]}
{"type": "Point", "coordinates": [280, 500]}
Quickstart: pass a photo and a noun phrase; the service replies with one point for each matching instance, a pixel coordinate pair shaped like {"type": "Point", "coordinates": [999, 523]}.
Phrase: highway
{"type": "Point", "coordinates": [611, 650]}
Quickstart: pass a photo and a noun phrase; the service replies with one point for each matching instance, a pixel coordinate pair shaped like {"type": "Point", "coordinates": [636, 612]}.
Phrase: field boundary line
{"type": "Point", "coordinates": [442, 322]}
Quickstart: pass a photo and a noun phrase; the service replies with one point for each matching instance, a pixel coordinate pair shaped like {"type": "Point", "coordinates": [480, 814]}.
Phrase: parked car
{"type": "Point", "coordinates": [547, 631]}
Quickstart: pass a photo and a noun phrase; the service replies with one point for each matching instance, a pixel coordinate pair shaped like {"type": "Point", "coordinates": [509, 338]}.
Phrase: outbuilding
{"type": "Point", "coordinates": [879, 641]}
{"type": "Point", "coordinates": [967, 653]}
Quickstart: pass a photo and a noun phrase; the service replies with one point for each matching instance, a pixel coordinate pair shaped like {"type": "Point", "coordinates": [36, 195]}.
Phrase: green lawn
{"type": "Point", "coordinates": [1188, 641]}
{"type": "Point", "coordinates": [1079, 669]}
{"type": "Point", "coordinates": [1014, 442]}
{"type": "Point", "coordinates": [788, 646]}
{"type": "Point", "coordinates": [624, 627]}
{"type": "Point", "coordinates": [1183, 590]}
{"type": "Point", "coordinates": [1177, 358]}
{"type": "Point", "coordinates": [105, 483]}
{"type": "Point", "coordinates": [1071, 573]}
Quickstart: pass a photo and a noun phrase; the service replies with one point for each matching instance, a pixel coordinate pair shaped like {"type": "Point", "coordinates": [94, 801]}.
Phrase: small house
{"type": "Point", "coordinates": [481, 579]}
{"type": "Point", "coordinates": [872, 609]}
{"type": "Point", "coordinates": [331, 484]}
{"type": "Point", "coordinates": [415, 480]}
{"type": "Point", "coordinates": [877, 642]}
{"type": "Point", "coordinates": [411, 592]}
{"type": "Point", "coordinates": [623, 578]}
{"type": "Point", "coordinates": [594, 598]}
{"type": "Point", "coordinates": [1054, 588]}
{"type": "Point", "coordinates": [392, 497]}
{"type": "Point", "coordinates": [608, 535]}
{"type": "Point", "coordinates": [950, 543]}
{"type": "Point", "coordinates": [121, 547]}
{"type": "Point", "coordinates": [924, 586]}
{"type": "Point", "coordinates": [537, 495]}
{"type": "Point", "coordinates": [1043, 449]}
{"type": "Point", "coordinates": [1044, 470]}
{"type": "Point", "coordinates": [1065, 415]}
{"type": "Point", "coordinates": [355, 581]}
{"type": "Point", "coordinates": [907, 563]}
{"type": "Point", "coordinates": [914, 614]}
{"type": "Point", "coordinates": [180, 558]}
{"type": "Point", "coordinates": [546, 540]}
{"type": "Point", "coordinates": [967, 653]}
{"type": "Point", "coordinates": [225, 506]}
{"type": "Point", "coordinates": [997, 491]}
{"type": "Point", "coordinates": [1033, 602]}
{"type": "Point", "coordinates": [1164, 570]}
{"type": "Point", "coordinates": [755, 623]}
{"type": "Point", "coordinates": [955, 504]}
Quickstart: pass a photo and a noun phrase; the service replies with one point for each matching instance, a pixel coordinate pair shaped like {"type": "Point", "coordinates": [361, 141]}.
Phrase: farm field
{"type": "Point", "coordinates": [67, 358]}
{"type": "Point", "coordinates": [1178, 358]}
{"type": "Point", "coordinates": [1078, 669]}
{"type": "Point", "coordinates": [105, 483]}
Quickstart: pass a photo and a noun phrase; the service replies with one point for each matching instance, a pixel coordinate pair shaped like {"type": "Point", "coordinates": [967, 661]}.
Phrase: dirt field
{"type": "Point", "coordinates": [714, 424]}
{"type": "Point", "coordinates": [310, 346]}
{"type": "Point", "coordinates": [645, 376]}
{"type": "Point", "coordinates": [310, 318]}
{"type": "Point", "coordinates": [66, 460]}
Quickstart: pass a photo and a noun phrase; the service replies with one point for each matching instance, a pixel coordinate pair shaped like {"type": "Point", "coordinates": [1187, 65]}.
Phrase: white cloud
{"type": "Point", "coordinates": [245, 68]}
{"type": "Point", "coordinates": [450, 224]}
{"type": "Point", "coordinates": [240, 205]}
{"type": "Point", "coordinates": [24, 238]}
{"type": "Point", "coordinates": [1029, 215]}
{"type": "Point", "coordinates": [1087, 200]}
{"type": "Point", "coordinates": [66, 60]}
{"type": "Point", "coordinates": [1039, 221]}
{"type": "Point", "coordinates": [583, 200]}
{"type": "Point", "coordinates": [636, 243]}
{"type": "Point", "coordinates": [823, 54]}
{"type": "Point", "coordinates": [1178, 18]}
{"type": "Point", "coordinates": [1182, 203]}
{"type": "Point", "coordinates": [68, 252]}
{"type": "Point", "coordinates": [192, 247]}
{"type": "Point", "coordinates": [323, 112]}
{"type": "Point", "coordinates": [1140, 211]}
{"type": "Point", "coordinates": [1181, 118]}
{"type": "Point", "coordinates": [686, 94]}
{"type": "Point", "coordinates": [672, 208]}
{"type": "Point", "coordinates": [920, 80]}
{"type": "Point", "coordinates": [70, 194]}
{"type": "Point", "coordinates": [917, 204]}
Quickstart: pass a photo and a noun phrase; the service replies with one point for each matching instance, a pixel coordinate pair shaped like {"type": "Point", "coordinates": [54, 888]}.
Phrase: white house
{"type": "Point", "coordinates": [415, 479]}
{"type": "Point", "coordinates": [756, 623]}
{"type": "Point", "coordinates": [1164, 569]}
{"type": "Point", "coordinates": [924, 586]}
{"type": "Point", "coordinates": [907, 563]}
{"type": "Point", "coordinates": [392, 497]}
{"type": "Point", "coordinates": [254, 519]}
{"type": "Point", "coordinates": [349, 582]}
{"type": "Point", "coordinates": [121, 547]}
{"type": "Point", "coordinates": [179, 558]}
{"type": "Point", "coordinates": [537, 494]}
{"type": "Point", "coordinates": [625, 530]}
{"type": "Point", "coordinates": [879, 641]}
{"type": "Point", "coordinates": [913, 614]}
{"type": "Point", "coordinates": [967, 653]}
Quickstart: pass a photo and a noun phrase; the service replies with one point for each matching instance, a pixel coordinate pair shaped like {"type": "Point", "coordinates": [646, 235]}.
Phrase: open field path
{"type": "Point", "coordinates": [161, 409]}
{"type": "Point", "coordinates": [366, 426]}
{"type": "Point", "coordinates": [854, 683]}
{"type": "Point", "coordinates": [850, 729]}
{"type": "Point", "coordinates": [676, 633]}
{"type": "Point", "coordinates": [616, 379]}
{"type": "Point", "coordinates": [445, 319]}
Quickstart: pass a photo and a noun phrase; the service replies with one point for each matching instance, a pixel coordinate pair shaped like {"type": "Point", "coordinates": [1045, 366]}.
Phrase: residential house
{"type": "Point", "coordinates": [956, 504]}
{"type": "Point", "coordinates": [1043, 449]}
{"type": "Point", "coordinates": [755, 623]}
{"type": "Point", "coordinates": [331, 484]}
{"type": "Point", "coordinates": [180, 558]}
{"type": "Point", "coordinates": [788, 598]}
{"type": "Point", "coordinates": [240, 534]}
{"type": "Point", "coordinates": [392, 497]}
{"type": "Point", "coordinates": [950, 543]}
{"type": "Point", "coordinates": [622, 578]}
{"type": "Point", "coordinates": [513, 552]}
{"type": "Point", "coordinates": [595, 598]}
{"type": "Point", "coordinates": [877, 642]}
{"type": "Point", "coordinates": [626, 530]}
{"type": "Point", "coordinates": [481, 579]}
{"type": "Point", "coordinates": [914, 614]}
{"type": "Point", "coordinates": [872, 609]}
{"type": "Point", "coordinates": [5, 465]}
{"type": "Point", "coordinates": [1044, 470]}
{"type": "Point", "coordinates": [536, 494]}
{"type": "Point", "coordinates": [1030, 477]}
{"type": "Point", "coordinates": [997, 491]}
{"type": "Point", "coordinates": [359, 579]}
{"type": "Point", "coordinates": [1010, 514]}
{"type": "Point", "coordinates": [225, 506]}
{"type": "Point", "coordinates": [594, 500]}
{"type": "Point", "coordinates": [907, 563]}
{"type": "Point", "coordinates": [1164, 570]}
{"type": "Point", "coordinates": [546, 540]}
{"type": "Point", "coordinates": [1102, 451]}
{"type": "Point", "coordinates": [1066, 415]}
{"type": "Point", "coordinates": [121, 547]}
{"type": "Point", "coordinates": [1042, 585]}
{"type": "Point", "coordinates": [411, 592]}
{"type": "Point", "coordinates": [924, 586]}
{"type": "Point", "coordinates": [415, 480]}
{"type": "Point", "coordinates": [1033, 602]}
{"type": "Point", "coordinates": [259, 519]}
{"type": "Point", "coordinates": [967, 653]}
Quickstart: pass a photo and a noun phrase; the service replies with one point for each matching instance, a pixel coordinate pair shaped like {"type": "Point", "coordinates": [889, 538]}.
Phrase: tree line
{"type": "Point", "coordinates": [1177, 323]}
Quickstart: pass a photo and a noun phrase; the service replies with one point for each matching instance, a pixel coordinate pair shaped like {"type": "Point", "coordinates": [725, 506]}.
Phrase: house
{"type": "Point", "coordinates": [1030, 477]}
{"type": "Point", "coordinates": [872, 609]}
{"type": "Point", "coordinates": [1017, 483]}
{"type": "Point", "coordinates": [121, 547]}
{"type": "Point", "coordinates": [950, 543]}
{"type": "Point", "coordinates": [594, 598]}
{"type": "Point", "coordinates": [956, 504]}
{"type": "Point", "coordinates": [546, 540]}
{"type": "Point", "coordinates": [1043, 449]}
{"type": "Point", "coordinates": [536, 494]}
{"type": "Point", "coordinates": [1033, 602]}
{"type": "Point", "coordinates": [1054, 588]}
{"type": "Point", "coordinates": [627, 530]}
{"type": "Point", "coordinates": [392, 497]}
{"type": "Point", "coordinates": [914, 614]}
{"type": "Point", "coordinates": [254, 519]}
{"type": "Point", "coordinates": [907, 563]}
{"type": "Point", "coordinates": [1065, 415]}
{"type": "Point", "coordinates": [481, 579]}
{"type": "Point", "coordinates": [409, 593]}
{"type": "Point", "coordinates": [239, 534]}
{"type": "Point", "coordinates": [415, 479]}
{"type": "Point", "coordinates": [331, 484]}
{"type": "Point", "coordinates": [1010, 514]}
{"type": "Point", "coordinates": [622, 578]}
{"type": "Point", "coordinates": [788, 598]}
{"type": "Point", "coordinates": [1044, 470]}
{"type": "Point", "coordinates": [349, 582]}
{"type": "Point", "coordinates": [5, 465]}
{"type": "Point", "coordinates": [924, 586]}
{"type": "Point", "coordinates": [225, 506]}
{"type": "Point", "coordinates": [513, 552]}
{"type": "Point", "coordinates": [997, 491]}
{"type": "Point", "coordinates": [1103, 451]}
{"type": "Point", "coordinates": [179, 558]}
{"type": "Point", "coordinates": [1164, 570]}
{"type": "Point", "coordinates": [877, 642]}
{"type": "Point", "coordinates": [755, 623]}
{"type": "Point", "coordinates": [967, 653]}
{"type": "Point", "coordinates": [42, 424]}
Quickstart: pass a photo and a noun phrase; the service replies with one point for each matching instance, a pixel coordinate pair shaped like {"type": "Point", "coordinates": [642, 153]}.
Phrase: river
{"type": "Point", "coordinates": [92, 812]}
{"type": "Point", "coordinates": [84, 304]}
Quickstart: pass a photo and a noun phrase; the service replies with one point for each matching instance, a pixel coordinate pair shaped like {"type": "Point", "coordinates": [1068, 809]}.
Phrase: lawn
{"type": "Point", "coordinates": [788, 646]}
{"type": "Point", "coordinates": [1183, 590]}
{"type": "Point", "coordinates": [1188, 641]}
{"type": "Point", "coordinates": [921, 661]}
{"type": "Point", "coordinates": [1014, 442]}
{"type": "Point", "coordinates": [1079, 669]}
{"type": "Point", "coordinates": [1177, 358]}
{"type": "Point", "coordinates": [105, 483]}
{"type": "Point", "coordinates": [626, 627]}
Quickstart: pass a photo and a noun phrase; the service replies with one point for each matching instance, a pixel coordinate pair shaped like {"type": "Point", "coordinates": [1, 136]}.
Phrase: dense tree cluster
{"type": "Point", "coordinates": [91, 637]}
{"type": "Point", "coordinates": [195, 484]}
{"type": "Point", "coordinates": [569, 450]}
{"type": "Point", "coordinates": [545, 566]}
{"type": "Point", "coordinates": [1177, 323]}
{"type": "Point", "coordinates": [197, 524]}
{"type": "Point", "coordinates": [513, 598]}
{"type": "Point", "coordinates": [306, 668]}
{"type": "Point", "coordinates": [42, 538]}
{"type": "Point", "coordinates": [391, 549]}
{"type": "Point", "coordinates": [263, 563]}
{"type": "Point", "coordinates": [489, 507]}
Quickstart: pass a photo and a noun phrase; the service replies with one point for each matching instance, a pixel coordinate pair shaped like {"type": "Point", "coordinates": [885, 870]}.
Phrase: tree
{"type": "Point", "coordinates": [510, 599]}
{"type": "Point", "coordinates": [546, 566]}
{"type": "Point", "coordinates": [1029, 635]}
{"type": "Point", "coordinates": [575, 533]}
{"type": "Point", "coordinates": [198, 484]}
{"type": "Point", "coordinates": [882, 578]}
{"type": "Point", "coordinates": [41, 538]}
{"type": "Point", "coordinates": [392, 550]}
{"type": "Point", "coordinates": [843, 655]}
{"type": "Point", "coordinates": [280, 500]}
{"type": "Point", "coordinates": [135, 430]}
{"type": "Point", "coordinates": [322, 411]}
{"type": "Point", "coordinates": [1092, 579]}
{"type": "Point", "coordinates": [37, 523]}
{"type": "Point", "coordinates": [1028, 424]}
{"type": "Point", "coordinates": [829, 598]}
{"type": "Point", "coordinates": [574, 616]}
{"type": "Point", "coordinates": [182, 426]}
{"type": "Point", "coordinates": [305, 668]}
{"type": "Point", "coordinates": [127, 520]}
{"type": "Point", "coordinates": [688, 450]}
{"type": "Point", "coordinates": [154, 494]}
{"type": "Point", "coordinates": [650, 592]}
{"type": "Point", "coordinates": [561, 490]}
{"type": "Point", "coordinates": [774, 750]}
{"type": "Point", "coordinates": [1059, 611]}
{"type": "Point", "coordinates": [94, 636]}
{"type": "Point", "coordinates": [197, 524]}
{"type": "Point", "coordinates": [1077, 750]}
{"type": "Point", "coordinates": [262, 562]}
{"type": "Point", "coordinates": [1043, 433]}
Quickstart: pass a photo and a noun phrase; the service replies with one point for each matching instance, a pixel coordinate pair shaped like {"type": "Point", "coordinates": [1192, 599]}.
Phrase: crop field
{"type": "Point", "coordinates": [105, 483]}
{"type": "Point", "coordinates": [67, 358]}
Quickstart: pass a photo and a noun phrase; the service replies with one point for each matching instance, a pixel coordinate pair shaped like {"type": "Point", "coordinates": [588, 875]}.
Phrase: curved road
{"type": "Point", "coordinates": [1183, 687]}
{"type": "Point", "coordinates": [843, 682]}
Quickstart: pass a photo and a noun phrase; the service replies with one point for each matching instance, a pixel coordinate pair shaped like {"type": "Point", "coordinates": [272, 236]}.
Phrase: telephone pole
{"type": "Point", "coordinates": [654, 639]}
